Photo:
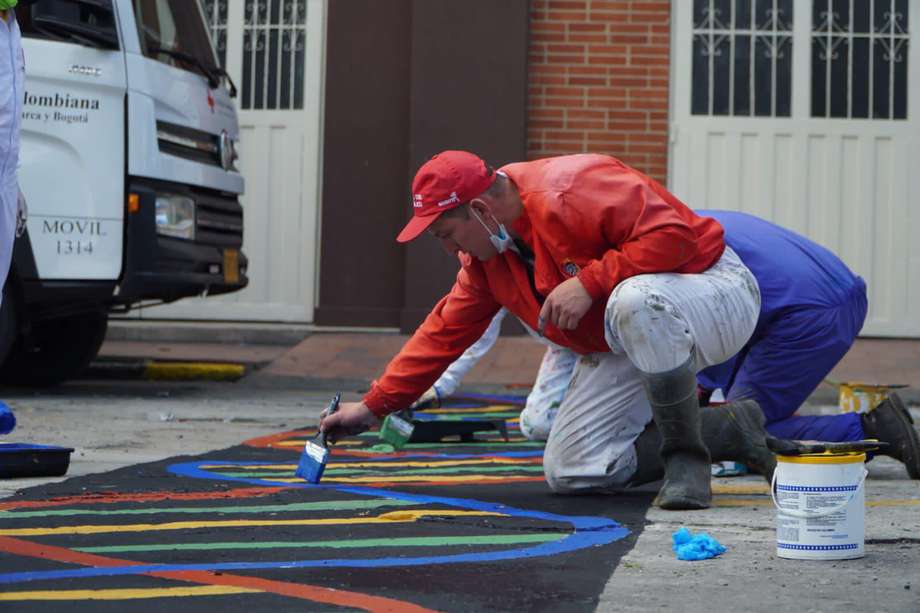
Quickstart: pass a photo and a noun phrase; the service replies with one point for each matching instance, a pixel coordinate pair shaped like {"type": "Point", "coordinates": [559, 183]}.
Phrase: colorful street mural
{"type": "Point", "coordinates": [227, 525]}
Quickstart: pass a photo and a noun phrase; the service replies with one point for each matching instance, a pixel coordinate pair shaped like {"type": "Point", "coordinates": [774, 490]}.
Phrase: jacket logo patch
{"type": "Point", "coordinates": [570, 268]}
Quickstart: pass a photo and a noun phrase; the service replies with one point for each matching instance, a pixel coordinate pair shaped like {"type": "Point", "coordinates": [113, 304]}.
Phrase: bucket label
{"type": "Point", "coordinates": [820, 511]}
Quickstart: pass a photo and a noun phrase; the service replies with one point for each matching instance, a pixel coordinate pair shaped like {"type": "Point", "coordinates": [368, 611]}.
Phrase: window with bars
{"type": "Point", "coordinates": [274, 47]}
{"type": "Point", "coordinates": [215, 14]}
{"type": "Point", "coordinates": [859, 59]}
{"type": "Point", "coordinates": [274, 36]}
{"type": "Point", "coordinates": [742, 57]}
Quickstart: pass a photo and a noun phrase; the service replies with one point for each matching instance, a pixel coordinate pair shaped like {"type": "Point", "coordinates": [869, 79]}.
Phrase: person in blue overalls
{"type": "Point", "coordinates": [812, 308]}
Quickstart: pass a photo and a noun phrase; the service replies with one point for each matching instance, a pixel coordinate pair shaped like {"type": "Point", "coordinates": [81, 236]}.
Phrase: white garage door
{"type": "Point", "coordinates": [273, 49]}
{"type": "Point", "coordinates": [807, 113]}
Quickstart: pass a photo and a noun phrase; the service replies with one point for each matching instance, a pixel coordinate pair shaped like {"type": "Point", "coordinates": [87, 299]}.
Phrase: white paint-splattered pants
{"type": "Point", "coordinates": [654, 323]}
{"type": "Point", "coordinates": [548, 390]}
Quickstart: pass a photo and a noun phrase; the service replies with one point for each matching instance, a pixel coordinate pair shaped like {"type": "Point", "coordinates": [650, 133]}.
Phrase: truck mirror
{"type": "Point", "coordinates": [88, 22]}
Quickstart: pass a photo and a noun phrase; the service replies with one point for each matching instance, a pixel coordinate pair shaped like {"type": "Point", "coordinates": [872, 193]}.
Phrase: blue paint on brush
{"type": "Point", "coordinates": [315, 452]}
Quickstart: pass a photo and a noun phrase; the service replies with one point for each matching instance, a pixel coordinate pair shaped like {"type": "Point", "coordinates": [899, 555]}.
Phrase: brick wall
{"type": "Point", "coordinates": [598, 80]}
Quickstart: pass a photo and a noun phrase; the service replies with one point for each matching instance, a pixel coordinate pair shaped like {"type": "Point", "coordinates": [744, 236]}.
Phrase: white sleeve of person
{"type": "Point", "coordinates": [448, 383]}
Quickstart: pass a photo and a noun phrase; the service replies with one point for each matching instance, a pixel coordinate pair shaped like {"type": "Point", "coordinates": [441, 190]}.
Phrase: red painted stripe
{"type": "Point", "coordinates": [267, 441]}
{"type": "Point", "coordinates": [115, 497]}
{"type": "Point", "coordinates": [313, 593]}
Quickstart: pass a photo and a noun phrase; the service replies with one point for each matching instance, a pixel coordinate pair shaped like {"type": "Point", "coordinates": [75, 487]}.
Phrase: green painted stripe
{"type": "Point", "coordinates": [415, 541]}
{"type": "Point", "coordinates": [402, 471]}
{"type": "Point", "coordinates": [330, 505]}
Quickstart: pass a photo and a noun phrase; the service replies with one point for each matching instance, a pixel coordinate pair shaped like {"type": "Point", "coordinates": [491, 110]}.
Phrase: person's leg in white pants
{"type": "Point", "coordinates": [548, 392]}
{"type": "Point", "coordinates": [654, 324]}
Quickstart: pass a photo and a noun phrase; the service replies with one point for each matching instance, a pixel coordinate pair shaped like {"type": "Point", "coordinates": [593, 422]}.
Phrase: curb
{"type": "Point", "coordinates": [152, 370]}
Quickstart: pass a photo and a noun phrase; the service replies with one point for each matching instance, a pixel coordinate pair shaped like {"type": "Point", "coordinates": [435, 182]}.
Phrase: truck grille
{"type": "Point", "coordinates": [188, 143]}
{"type": "Point", "coordinates": [219, 220]}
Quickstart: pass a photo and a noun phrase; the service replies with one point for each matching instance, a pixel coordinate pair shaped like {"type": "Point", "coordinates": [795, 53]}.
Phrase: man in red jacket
{"type": "Point", "coordinates": [603, 260]}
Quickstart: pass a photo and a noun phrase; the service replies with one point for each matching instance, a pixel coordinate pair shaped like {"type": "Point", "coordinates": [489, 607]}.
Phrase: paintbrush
{"type": "Point", "coordinates": [316, 451]}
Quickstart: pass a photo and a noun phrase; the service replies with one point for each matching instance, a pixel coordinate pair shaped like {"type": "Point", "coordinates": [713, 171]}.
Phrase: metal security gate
{"type": "Point", "coordinates": [274, 51]}
{"type": "Point", "coordinates": [807, 113]}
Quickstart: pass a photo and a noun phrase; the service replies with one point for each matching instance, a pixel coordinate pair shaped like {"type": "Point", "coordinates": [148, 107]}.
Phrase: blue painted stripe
{"type": "Point", "coordinates": [589, 532]}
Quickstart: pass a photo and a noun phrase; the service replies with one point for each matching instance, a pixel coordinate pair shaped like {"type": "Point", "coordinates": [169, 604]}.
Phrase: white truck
{"type": "Point", "coordinates": [128, 168]}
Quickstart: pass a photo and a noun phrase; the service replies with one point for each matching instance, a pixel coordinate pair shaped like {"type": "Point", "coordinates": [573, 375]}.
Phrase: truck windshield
{"type": "Point", "coordinates": [171, 31]}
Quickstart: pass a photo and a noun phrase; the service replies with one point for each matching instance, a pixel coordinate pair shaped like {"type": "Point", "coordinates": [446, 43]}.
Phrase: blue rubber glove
{"type": "Point", "coordinates": [691, 547]}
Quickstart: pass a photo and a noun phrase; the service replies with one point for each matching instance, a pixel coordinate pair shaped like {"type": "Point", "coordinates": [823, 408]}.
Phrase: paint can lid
{"type": "Point", "coordinates": [827, 457]}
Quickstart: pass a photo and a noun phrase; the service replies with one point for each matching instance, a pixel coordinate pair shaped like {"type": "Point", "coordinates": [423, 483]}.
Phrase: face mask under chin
{"type": "Point", "coordinates": [501, 241]}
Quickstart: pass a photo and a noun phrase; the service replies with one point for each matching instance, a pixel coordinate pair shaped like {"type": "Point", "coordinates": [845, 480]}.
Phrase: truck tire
{"type": "Point", "coordinates": [61, 348]}
{"type": "Point", "coordinates": [8, 321]}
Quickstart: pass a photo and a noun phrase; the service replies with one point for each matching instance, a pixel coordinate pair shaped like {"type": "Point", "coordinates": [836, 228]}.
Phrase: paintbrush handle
{"type": "Point", "coordinates": [332, 408]}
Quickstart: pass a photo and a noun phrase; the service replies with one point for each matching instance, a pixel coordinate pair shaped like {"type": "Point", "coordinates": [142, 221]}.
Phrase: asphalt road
{"type": "Point", "coordinates": [115, 425]}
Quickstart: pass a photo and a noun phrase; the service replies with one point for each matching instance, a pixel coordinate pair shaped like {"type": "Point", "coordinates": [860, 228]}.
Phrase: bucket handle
{"type": "Point", "coordinates": [825, 512]}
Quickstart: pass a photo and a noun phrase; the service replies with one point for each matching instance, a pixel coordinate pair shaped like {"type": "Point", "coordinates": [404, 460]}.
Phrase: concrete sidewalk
{"type": "Point", "coordinates": [354, 359]}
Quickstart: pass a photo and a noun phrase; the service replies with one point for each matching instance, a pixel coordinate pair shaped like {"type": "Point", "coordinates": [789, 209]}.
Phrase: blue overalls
{"type": "Point", "coordinates": [812, 308]}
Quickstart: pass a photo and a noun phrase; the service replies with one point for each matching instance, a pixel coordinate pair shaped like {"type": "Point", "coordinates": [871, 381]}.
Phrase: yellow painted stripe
{"type": "Point", "coordinates": [401, 478]}
{"type": "Point", "coordinates": [492, 408]}
{"type": "Point", "coordinates": [126, 594]}
{"type": "Point", "coordinates": [894, 502]}
{"type": "Point", "coordinates": [401, 516]}
{"type": "Point", "coordinates": [443, 464]}
{"type": "Point", "coordinates": [741, 490]}
{"type": "Point", "coordinates": [186, 371]}
{"type": "Point", "coordinates": [301, 442]}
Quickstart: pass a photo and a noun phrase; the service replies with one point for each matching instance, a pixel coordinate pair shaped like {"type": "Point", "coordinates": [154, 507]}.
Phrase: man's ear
{"type": "Point", "coordinates": [481, 208]}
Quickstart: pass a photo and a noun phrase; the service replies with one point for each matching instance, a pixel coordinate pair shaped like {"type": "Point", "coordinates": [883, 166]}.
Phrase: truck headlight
{"type": "Point", "coordinates": [175, 216]}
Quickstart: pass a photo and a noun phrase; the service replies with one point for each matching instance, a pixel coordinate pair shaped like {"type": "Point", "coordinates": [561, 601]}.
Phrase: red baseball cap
{"type": "Point", "coordinates": [444, 182]}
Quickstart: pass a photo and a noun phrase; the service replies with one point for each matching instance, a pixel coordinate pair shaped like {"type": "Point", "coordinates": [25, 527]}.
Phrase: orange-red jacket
{"type": "Point", "coordinates": [585, 215]}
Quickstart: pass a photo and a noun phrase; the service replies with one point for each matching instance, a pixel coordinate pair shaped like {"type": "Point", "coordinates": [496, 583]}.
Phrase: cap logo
{"type": "Point", "coordinates": [417, 201]}
{"type": "Point", "coordinates": [451, 200]}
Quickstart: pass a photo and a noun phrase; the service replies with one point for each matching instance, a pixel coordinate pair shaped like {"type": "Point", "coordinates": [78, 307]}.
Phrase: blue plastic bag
{"type": "Point", "coordinates": [700, 546]}
{"type": "Point", "coordinates": [7, 419]}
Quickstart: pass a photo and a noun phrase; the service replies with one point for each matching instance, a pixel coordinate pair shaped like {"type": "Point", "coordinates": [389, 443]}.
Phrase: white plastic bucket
{"type": "Point", "coordinates": [820, 506]}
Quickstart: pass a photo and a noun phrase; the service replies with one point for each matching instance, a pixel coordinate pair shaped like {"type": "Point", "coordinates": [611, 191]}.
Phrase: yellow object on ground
{"type": "Point", "coordinates": [192, 371]}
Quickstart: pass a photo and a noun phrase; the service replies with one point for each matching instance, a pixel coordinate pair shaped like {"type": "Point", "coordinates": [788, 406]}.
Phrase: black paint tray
{"type": "Point", "coordinates": [26, 460]}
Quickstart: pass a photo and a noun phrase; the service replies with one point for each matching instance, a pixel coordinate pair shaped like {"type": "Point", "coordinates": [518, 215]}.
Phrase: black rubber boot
{"type": "Point", "coordinates": [891, 423]}
{"type": "Point", "coordinates": [735, 431]}
{"type": "Point", "coordinates": [676, 412]}
{"type": "Point", "coordinates": [732, 431]}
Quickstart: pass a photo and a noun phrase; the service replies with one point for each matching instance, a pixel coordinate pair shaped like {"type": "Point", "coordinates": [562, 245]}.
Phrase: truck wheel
{"type": "Point", "coordinates": [61, 348]}
{"type": "Point", "coordinates": [8, 319]}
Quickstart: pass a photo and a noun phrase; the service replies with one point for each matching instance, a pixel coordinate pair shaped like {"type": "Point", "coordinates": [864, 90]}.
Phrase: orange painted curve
{"type": "Point", "coordinates": [313, 593]}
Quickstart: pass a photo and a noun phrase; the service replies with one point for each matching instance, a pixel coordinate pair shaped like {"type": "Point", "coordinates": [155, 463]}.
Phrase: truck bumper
{"type": "Point", "coordinates": [159, 267]}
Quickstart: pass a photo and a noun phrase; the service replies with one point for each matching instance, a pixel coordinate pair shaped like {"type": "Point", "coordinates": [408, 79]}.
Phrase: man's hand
{"type": "Point", "coordinates": [352, 418]}
{"type": "Point", "coordinates": [431, 395]}
{"type": "Point", "coordinates": [565, 306]}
